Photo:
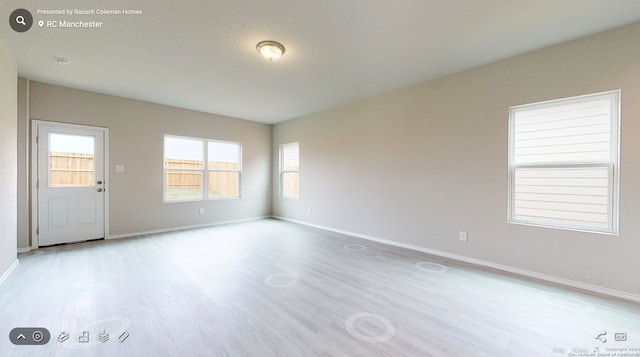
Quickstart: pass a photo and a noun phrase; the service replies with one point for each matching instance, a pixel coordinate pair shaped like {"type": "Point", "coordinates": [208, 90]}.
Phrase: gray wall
{"type": "Point", "coordinates": [8, 157]}
{"type": "Point", "coordinates": [421, 164]}
{"type": "Point", "coordinates": [136, 132]}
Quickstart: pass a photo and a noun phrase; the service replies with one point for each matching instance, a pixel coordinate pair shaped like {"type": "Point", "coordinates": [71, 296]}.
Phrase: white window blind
{"type": "Point", "coordinates": [290, 157]}
{"type": "Point", "coordinates": [564, 161]}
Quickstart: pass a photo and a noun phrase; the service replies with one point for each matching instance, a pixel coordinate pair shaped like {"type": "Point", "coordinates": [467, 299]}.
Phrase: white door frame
{"type": "Point", "coordinates": [35, 124]}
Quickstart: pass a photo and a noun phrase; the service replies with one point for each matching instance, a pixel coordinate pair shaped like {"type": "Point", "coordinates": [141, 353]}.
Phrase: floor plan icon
{"type": "Point", "coordinates": [84, 338]}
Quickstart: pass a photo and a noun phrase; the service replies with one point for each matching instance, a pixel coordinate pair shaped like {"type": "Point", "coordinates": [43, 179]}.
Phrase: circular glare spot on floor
{"type": "Point", "coordinates": [355, 247]}
{"type": "Point", "coordinates": [432, 267]}
{"type": "Point", "coordinates": [370, 254]}
{"type": "Point", "coordinates": [282, 280]}
{"type": "Point", "coordinates": [566, 302]}
{"type": "Point", "coordinates": [359, 324]}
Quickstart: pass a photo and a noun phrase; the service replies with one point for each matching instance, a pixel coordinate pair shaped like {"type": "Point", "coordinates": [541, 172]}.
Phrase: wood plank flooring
{"type": "Point", "coordinates": [274, 288]}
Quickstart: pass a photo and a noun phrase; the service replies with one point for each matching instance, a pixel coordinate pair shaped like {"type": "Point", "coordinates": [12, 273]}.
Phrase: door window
{"type": "Point", "coordinates": [71, 160]}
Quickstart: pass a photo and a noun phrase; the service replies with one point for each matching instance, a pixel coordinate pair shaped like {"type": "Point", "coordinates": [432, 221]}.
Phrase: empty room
{"type": "Point", "coordinates": [320, 178]}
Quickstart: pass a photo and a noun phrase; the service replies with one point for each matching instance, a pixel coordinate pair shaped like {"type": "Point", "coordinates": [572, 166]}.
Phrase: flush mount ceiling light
{"type": "Point", "coordinates": [63, 61]}
{"type": "Point", "coordinates": [270, 50]}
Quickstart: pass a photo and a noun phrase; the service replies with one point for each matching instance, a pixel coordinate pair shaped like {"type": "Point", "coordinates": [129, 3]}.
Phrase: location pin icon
{"type": "Point", "coordinates": [40, 23]}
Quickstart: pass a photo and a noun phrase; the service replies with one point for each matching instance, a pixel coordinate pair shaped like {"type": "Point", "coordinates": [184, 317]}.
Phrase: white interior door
{"type": "Point", "coordinates": [70, 183]}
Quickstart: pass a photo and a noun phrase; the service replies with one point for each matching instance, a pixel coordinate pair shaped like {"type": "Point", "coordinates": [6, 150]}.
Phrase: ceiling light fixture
{"type": "Point", "coordinates": [270, 50]}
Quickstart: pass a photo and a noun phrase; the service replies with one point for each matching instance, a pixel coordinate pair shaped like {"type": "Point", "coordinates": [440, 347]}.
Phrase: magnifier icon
{"type": "Point", "coordinates": [20, 20]}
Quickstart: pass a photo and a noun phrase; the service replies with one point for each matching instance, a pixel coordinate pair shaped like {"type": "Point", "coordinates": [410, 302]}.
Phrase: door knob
{"type": "Point", "coordinates": [99, 182]}
{"type": "Point", "coordinates": [99, 190]}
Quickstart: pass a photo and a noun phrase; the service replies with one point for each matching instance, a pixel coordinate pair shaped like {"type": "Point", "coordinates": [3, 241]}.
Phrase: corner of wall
{"type": "Point", "coordinates": [24, 168]}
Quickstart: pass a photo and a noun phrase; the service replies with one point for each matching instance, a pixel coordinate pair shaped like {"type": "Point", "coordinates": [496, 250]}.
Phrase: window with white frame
{"type": "Point", "coordinates": [289, 170]}
{"type": "Point", "coordinates": [198, 169]}
{"type": "Point", "coordinates": [563, 163]}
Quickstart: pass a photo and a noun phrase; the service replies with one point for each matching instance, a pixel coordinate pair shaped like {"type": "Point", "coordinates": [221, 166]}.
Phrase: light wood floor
{"type": "Point", "coordinates": [273, 288]}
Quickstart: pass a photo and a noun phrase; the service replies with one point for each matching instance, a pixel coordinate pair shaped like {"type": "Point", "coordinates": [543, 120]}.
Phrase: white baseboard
{"type": "Point", "coordinates": [521, 272]}
{"type": "Point", "coordinates": [9, 270]}
{"type": "Point", "coordinates": [173, 229]}
{"type": "Point", "coordinates": [24, 250]}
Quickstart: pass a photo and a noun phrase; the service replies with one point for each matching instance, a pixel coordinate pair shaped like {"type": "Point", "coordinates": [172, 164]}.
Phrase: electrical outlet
{"type": "Point", "coordinates": [201, 210]}
{"type": "Point", "coordinates": [464, 236]}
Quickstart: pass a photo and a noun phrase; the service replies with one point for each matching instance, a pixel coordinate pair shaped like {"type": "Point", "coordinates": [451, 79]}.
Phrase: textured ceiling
{"type": "Point", "coordinates": [201, 55]}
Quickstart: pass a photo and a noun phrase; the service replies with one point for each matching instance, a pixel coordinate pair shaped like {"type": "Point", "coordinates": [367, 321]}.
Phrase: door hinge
{"type": "Point", "coordinates": [37, 137]}
{"type": "Point", "coordinates": [38, 230]}
{"type": "Point", "coordinates": [37, 184]}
